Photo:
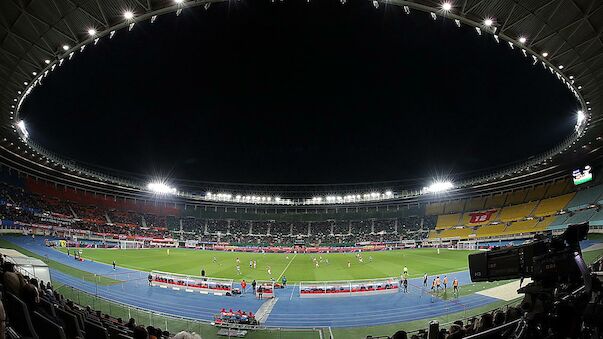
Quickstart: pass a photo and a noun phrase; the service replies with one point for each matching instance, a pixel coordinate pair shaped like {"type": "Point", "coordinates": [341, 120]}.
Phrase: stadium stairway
{"type": "Point", "coordinates": [289, 311]}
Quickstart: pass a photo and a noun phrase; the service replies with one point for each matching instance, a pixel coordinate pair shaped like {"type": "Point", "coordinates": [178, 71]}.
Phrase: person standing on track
{"type": "Point", "coordinates": [284, 281]}
{"type": "Point", "coordinates": [114, 265]}
{"type": "Point", "coordinates": [438, 282]}
{"type": "Point", "coordinates": [455, 286]}
{"type": "Point", "coordinates": [253, 283]}
{"type": "Point", "coordinates": [405, 284]}
{"type": "Point", "coordinates": [150, 277]}
{"type": "Point", "coordinates": [445, 282]}
{"type": "Point", "coordinates": [425, 280]}
{"type": "Point", "coordinates": [243, 286]}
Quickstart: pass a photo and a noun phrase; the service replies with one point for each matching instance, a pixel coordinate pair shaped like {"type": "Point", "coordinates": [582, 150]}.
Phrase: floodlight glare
{"type": "Point", "coordinates": [65, 47]}
{"type": "Point", "coordinates": [545, 54]}
{"type": "Point", "coordinates": [92, 32]}
{"type": "Point", "coordinates": [523, 39]}
{"type": "Point", "coordinates": [446, 6]}
{"type": "Point", "coordinates": [47, 61]}
{"type": "Point", "coordinates": [488, 22]}
{"type": "Point", "coordinates": [160, 188]}
{"type": "Point", "coordinates": [21, 126]}
{"type": "Point", "coordinates": [439, 186]}
{"type": "Point", "coordinates": [580, 117]}
{"type": "Point", "coordinates": [178, 1]}
{"type": "Point", "coordinates": [128, 15]}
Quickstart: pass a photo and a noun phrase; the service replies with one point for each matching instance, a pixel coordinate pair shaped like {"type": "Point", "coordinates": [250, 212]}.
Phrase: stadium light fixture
{"type": "Point", "coordinates": [580, 117]}
{"type": "Point", "coordinates": [128, 15]}
{"type": "Point", "coordinates": [447, 6]}
{"type": "Point", "coordinates": [91, 32]}
{"type": "Point", "coordinates": [178, 1]}
{"type": "Point", "coordinates": [159, 187]}
{"type": "Point", "coordinates": [439, 187]}
{"type": "Point", "coordinates": [65, 47]}
{"type": "Point", "coordinates": [488, 22]}
{"type": "Point", "coordinates": [523, 39]}
{"type": "Point", "coordinates": [560, 67]}
{"type": "Point", "coordinates": [23, 129]}
{"type": "Point", "coordinates": [545, 54]}
{"type": "Point", "coordinates": [47, 61]}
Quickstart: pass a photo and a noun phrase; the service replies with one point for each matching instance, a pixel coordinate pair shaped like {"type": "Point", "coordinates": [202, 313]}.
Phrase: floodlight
{"type": "Point", "coordinates": [560, 67]}
{"type": "Point", "coordinates": [178, 1]}
{"type": "Point", "coordinates": [523, 39]}
{"type": "Point", "coordinates": [47, 61]}
{"type": "Point", "coordinates": [488, 22]}
{"type": "Point", "coordinates": [92, 32]}
{"type": "Point", "coordinates": [65, 47]}
{"type": "Point", "coordinates": [439, 186]}
{"type": "Point", "coordinates": [159, 187]}
{"type": "Point", "coordinates": [580, 116]}
{"type": "Point", "coordinates": [21, 125]}
{"type": "Point", "coordinates": [389, 193]}
{"type": "Point", "coordinates": [128, 15]}
{"type": "Point", "coordinates": [545, 54]}
{"type": "Point", "coordinates": [447, 6]}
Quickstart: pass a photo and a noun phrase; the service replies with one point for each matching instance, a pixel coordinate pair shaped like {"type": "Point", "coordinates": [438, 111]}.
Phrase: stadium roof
{"type": "Point", "coordinates": [568, 34]}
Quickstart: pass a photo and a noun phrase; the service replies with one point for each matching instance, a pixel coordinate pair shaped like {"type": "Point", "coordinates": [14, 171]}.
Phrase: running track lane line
{"type": "Point", "coordinates": [286, 267]}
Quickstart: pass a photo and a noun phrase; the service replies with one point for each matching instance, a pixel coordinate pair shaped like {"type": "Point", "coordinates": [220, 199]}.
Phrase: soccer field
{"type": "Point", "coordinates": [296, 267]}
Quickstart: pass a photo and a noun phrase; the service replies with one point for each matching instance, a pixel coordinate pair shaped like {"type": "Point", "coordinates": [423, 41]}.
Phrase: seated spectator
{"type": "Point", "coordinates": [131, 324]}
{"type": "Point", "coordinates": [499, 318]}
{"type": "Point", "coordinates": [140, 332]}
{"type": "Point", "coordinates": [485, 323]}
{"type": "Point", "coordinates": [400, 335]}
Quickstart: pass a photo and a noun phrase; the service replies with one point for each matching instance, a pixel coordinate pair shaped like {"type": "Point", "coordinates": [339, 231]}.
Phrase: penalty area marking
{"type": "Point", "coordinates": [286, 267]}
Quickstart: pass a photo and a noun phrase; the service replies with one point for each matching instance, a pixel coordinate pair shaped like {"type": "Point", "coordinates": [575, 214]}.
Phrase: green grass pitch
{"type": "Point", "coordinates": [296, 267]}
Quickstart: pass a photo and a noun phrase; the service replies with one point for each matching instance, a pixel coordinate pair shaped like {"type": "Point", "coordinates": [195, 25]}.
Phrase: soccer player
{"type": "Point", "coordinates": [250, 263]}
{"type": "Point", "coordinates": [214, 260]}
{"type": "Point", "coordinates": [255, 264]}
{"type": "Point", "coordinates": [349, 264]}
{"type": "Point", "coordinates": [425, 280]}
{"type": "Point", "coordinates": [316, 264]}
{"type": "Point", "coordinates": [269, 270]}
{"type": "Point", "coordinates": [284, 280]}
{"type": "Point", "coordinates": [455, 285]}
{"type": "Point", "coordinates": [168, 251]}
{"type": "Point", "coordinates": [445, 282]}
{"type": "Point", "coordinates": [238, 269]}
{"type": "Point", "coordinates": [438, 250]}
{"type": "Point", "coordinates": [370, 258]}
{"type": "Point", "coordinates": [238, 260]}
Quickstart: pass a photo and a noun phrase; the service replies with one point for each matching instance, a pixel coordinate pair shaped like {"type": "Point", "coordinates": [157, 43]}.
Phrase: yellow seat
{"type": "Point", "coordinates": [551, 206]}
{"type": "Point", "coordinates": [448, 220]}
{"type": "Point", "coordinates": [517, 212]}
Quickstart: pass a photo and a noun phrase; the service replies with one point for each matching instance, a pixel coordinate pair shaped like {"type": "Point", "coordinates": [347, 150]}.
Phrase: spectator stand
{"type": "Point", "coordinates": [204, 285]}
{"type": "Point", "coordinates": [318, 289]}
{"type": "Point", "coordinates": [264, 289]}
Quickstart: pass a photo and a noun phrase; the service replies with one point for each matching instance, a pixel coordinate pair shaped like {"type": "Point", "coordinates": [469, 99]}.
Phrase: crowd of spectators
{"type": "Point", "coordinates": [460, 329]}
{"type": "Point", "coordinates": [17, 206]}
{"type": "Point", "coordinates": [32, 308]}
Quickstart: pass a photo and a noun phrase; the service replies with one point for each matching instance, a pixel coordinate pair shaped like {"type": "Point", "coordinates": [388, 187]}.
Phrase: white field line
{"type": "Point", "coordinates": [286, 267]}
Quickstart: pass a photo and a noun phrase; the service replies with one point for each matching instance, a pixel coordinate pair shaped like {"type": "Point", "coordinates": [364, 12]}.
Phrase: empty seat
{"type": "Point", "coordinates": [47, 327]}
{"type": "Point", "coordinates": [95, 331]}
{"type": "Point", "coordinates": [18, 316]}
{"type": "Point", "coordinates": [72, 325]}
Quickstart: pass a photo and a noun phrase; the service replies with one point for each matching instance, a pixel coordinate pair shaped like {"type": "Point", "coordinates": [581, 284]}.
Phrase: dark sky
{"type": "Point", "coordinates": [299, 93]}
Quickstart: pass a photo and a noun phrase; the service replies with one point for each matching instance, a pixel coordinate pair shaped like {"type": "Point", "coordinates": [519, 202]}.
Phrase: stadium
{"type": "Point", "coordinates": [285, 239]}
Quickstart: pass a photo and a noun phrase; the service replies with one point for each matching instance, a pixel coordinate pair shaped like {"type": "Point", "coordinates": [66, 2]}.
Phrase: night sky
{"type": "Point", "coordinates": [299, 93]}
